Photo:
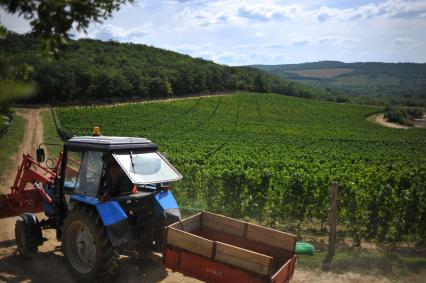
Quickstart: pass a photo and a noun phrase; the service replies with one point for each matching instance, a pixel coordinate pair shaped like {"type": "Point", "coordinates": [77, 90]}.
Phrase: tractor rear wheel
{"type": "Point", "coordinates": [87, 247]}
{"type": "Point", "coordinates": [28, 235]}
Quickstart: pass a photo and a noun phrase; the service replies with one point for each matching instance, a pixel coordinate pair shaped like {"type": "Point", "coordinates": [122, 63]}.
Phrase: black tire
{"type": "Point", "coordinates": [86, 246]}
{"type": "Point", "coordinates": [162, 222]}
{"type": "Point", "coordinates": [28, 235]}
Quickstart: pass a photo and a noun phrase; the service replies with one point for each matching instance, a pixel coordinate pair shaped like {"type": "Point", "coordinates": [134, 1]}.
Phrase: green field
{"type": "Point", "coordinates": [50, 135]}
{"type": "Point", "coordinates": [273, 158]}
{"type": "Point", "coordinates": [323, 73]}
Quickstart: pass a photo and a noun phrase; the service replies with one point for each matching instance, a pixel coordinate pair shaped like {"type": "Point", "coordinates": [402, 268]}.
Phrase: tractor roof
{"type": "Point", "coordinates": [106, 143]}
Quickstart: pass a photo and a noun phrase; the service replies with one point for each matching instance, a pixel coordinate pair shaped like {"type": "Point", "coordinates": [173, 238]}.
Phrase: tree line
{"type": "Point", "coordinates": [92, 70]}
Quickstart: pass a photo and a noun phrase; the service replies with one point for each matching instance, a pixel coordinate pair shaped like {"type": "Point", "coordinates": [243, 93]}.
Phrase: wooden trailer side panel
{"type": "Point", "coordinates": [189, 224]}
{"type": "Point", "coordinates": [242, 258]}
{"type": "Point", "coordinates": [285, 273]}
{"type": "Point", "coordinates": [271, 237]}
{"type": "Point", "coordinates": [222, 223]}
{"type": "Point", "coordinates": [189, 242]}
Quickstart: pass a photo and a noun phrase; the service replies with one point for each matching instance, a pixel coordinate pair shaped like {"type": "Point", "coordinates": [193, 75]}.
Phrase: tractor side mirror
{"type": "Point", "coordinates": [40, 155]}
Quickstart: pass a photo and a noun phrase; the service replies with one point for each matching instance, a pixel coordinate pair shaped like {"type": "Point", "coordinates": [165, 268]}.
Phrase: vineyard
{"type": "Point", "coordinates": [272, 158]}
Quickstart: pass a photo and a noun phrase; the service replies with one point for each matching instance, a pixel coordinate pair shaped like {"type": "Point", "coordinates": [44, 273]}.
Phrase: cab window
{"type": "Point", "coordinates": [72, 169]}
{"type": "Point", "coordinates": [85, 180]}
{"type": "Point", "coordinates": [90, 173]}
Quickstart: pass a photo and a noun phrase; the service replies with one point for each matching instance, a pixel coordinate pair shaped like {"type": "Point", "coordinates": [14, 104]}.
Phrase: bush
{"type": "Point", "coordinates": [416, 113]}
{"type": "Point", "coordinates": [403, 116]}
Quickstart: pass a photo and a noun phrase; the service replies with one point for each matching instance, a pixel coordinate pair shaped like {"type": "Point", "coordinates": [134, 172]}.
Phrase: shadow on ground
{"type": "Point", "coordinates": [51, 266]}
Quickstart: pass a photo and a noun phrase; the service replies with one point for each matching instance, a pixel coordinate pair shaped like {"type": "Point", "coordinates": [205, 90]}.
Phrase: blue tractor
{"type": "Point", "coordinates": [106, 195]}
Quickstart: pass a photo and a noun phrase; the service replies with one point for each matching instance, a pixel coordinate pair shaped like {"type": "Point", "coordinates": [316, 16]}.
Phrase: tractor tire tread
{"type": "Point", "coordinates": [109, 262]}
{"type": "Point", "coordinates": [26, 237]}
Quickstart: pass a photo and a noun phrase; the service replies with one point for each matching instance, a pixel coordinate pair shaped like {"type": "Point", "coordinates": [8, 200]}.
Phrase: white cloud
{"type": "Point", "coordinates": [235, 12]}
{"type": "Point", "coordinates": [242, 12]}
{"type": "Point", "coordinates": [115, 32]}
{"type": "Point", "coordinates": [191, 49]}
{"type": "Point", "coordinates": [261, 11]}
{"type": "Point", "coordinates": [300, 40]}
{"type": "Point", "coordinates": [388, 9]}
{"type": "Point", "coordinates": [336, 40]}
{"type": "Point", "coordinates": [403, 41]}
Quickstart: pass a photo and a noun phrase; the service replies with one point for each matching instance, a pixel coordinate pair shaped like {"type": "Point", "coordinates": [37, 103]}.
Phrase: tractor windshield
{"type": "Point", "coordinates": [147, 168]}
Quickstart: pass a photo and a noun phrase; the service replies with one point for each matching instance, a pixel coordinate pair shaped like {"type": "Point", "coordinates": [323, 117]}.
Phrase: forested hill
{"type": "Point", "coordinates": [401, 82]}
{"type": "Point", "coordinates": [92, 70]}
{"type": "Point", "coordinates": [301, 66]}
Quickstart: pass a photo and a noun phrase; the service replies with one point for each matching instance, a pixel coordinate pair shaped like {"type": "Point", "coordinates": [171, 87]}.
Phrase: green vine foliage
{"type": "Point", "coordinates": [273, 158]}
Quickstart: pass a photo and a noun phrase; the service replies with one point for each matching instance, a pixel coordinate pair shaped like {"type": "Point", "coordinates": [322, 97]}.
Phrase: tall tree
{"type": "Point", "coordinates": [52, 20]}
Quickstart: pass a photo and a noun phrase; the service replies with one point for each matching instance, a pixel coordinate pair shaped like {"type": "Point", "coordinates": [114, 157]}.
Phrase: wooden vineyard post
{"type": "Point", "coordinates": [333, 227]}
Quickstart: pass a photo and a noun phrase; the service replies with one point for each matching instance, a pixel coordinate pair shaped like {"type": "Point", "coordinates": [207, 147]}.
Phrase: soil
{"type": "Point", "coordinates": [380, 119]}
{"type": "Point", "coordinates": [33, 136]}
{"type": "Point", "coordinates": [50, 264]}
{"type": "Point", "coordinates": [319, 276]}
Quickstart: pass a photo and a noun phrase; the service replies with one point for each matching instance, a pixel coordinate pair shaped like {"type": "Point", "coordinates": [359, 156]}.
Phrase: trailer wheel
{"type": "Point", "coordinates": [28, 235]}
{"type": "Point", "coordinates": [87, 247]}
{"type": "Point", "coordinates": [164, 220]}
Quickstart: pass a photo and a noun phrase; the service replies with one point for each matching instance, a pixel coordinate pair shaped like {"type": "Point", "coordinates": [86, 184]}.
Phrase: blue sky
{"type": "Point", "coordinates": [269, 31]}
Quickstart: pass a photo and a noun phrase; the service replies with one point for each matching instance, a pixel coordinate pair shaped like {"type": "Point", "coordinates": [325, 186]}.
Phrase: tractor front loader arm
{"type": "Point", "coordinates": [27, 192]}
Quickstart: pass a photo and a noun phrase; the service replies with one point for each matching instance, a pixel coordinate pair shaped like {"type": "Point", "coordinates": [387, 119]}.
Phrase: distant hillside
{"type": "Point", "coordinates": [387, 82]}
{"type": "Point", "coordinates": [97, 71]}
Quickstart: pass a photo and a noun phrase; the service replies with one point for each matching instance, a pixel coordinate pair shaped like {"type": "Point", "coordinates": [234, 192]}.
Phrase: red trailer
{"type": "Point", "coordinates": [216, 248]}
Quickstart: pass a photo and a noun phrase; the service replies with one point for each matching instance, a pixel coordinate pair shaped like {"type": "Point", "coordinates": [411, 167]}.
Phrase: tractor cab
{"type": "Point", "coordinates": [127, 180]}
{"type": "Point", "coordinates": [108, 167]}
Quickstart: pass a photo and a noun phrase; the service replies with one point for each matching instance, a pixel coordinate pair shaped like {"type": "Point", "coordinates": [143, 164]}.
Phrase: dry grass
{"type": "Point", "coordinates": [393, 266]}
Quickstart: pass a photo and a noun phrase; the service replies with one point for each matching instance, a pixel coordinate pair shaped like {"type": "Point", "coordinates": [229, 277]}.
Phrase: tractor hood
{"type": "Point", "coordinates": [147, 168]}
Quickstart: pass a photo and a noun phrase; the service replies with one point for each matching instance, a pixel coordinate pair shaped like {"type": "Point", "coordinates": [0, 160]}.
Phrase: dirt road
{"type": "Point", "coordinates": [50, 265]}
{"type": "Point", "coordinates": [33, 136]}
{"type": "Point", "coordinates": [380, 120]}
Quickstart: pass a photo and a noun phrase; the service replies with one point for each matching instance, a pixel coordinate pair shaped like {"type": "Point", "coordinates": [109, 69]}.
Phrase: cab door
{"type": "Point", "coordinates": [83, 172]}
